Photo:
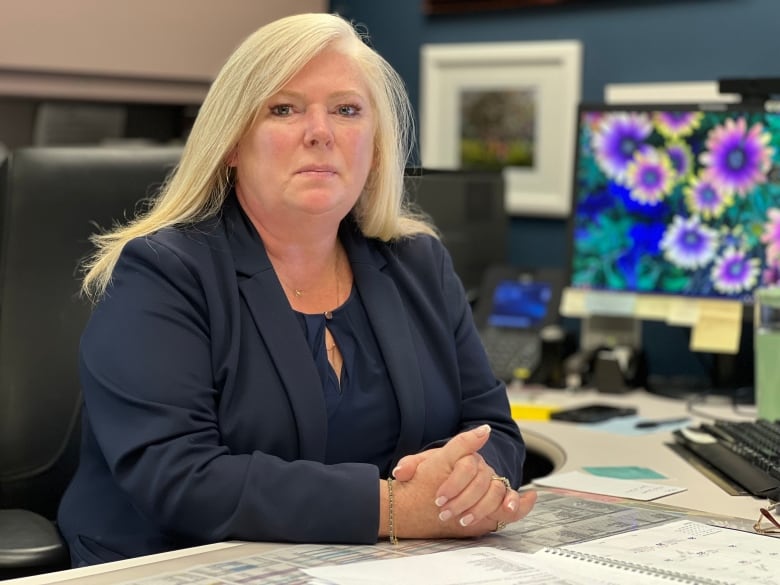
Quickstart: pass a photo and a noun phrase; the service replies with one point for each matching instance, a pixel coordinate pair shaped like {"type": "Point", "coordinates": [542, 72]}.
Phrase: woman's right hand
{"type": "Point", "coordinates": [454, 493]}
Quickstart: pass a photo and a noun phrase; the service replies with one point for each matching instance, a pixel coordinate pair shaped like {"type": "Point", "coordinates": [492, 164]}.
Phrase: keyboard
{"type": "Point", "coordinates": [510, 349]}
{"type": "Point", "coordinates": [745, 452]}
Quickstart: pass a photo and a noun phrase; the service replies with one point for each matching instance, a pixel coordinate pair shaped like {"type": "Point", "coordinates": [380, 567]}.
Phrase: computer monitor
{"type": "Point", "coordinates": [468, 209]}
{"type": "Point", "coordinates": [676, 200]}
{"type": "Point", "coordinates": [681, 201]}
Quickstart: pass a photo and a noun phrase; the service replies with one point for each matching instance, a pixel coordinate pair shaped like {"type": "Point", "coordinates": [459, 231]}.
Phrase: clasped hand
{"type": "Point", "coordinates": [452, 492]}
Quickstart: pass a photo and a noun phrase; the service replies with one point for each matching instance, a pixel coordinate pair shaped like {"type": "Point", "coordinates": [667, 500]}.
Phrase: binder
{"type": "Point", "coordinates": [631, 572]}
{"type": "Point", "coordinates": [682, 551]}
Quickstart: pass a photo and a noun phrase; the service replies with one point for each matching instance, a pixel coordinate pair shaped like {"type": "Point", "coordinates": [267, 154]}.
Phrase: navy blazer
{"type": "Point", "coordinates": [204, 415]}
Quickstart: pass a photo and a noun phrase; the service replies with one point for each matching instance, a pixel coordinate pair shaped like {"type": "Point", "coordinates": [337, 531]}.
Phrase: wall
{"type": "Point", "coordinates": [153, 58]}
{"type": "Point", "coordinates": [623, 41]}
{"type": "Point", "coordinates": [144, 50]}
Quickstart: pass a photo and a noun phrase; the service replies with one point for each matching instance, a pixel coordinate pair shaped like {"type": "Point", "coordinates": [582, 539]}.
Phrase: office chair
{"type": "Point", "coordinates": [51, 201]}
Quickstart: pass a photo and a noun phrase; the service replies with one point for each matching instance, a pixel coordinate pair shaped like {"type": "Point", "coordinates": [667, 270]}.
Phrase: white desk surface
{"type": "Point", "coordinates": [568, 445]}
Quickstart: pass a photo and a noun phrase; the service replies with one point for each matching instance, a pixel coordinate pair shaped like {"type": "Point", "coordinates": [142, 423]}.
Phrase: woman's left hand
{"type": "Point", "coordinates": [472, 492]}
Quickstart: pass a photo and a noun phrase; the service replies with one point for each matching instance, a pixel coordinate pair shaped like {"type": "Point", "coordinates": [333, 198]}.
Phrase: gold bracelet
{"type": "Point", "coordinates": [391, 517]}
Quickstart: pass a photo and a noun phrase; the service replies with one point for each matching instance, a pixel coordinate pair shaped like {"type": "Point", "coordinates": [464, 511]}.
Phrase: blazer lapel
{"type": "Point", "coordinates": [286, 343]}
{"type": "Point", "coordinates": [279, 330]}
{"type": "Point", "coordinates": [385, 310]}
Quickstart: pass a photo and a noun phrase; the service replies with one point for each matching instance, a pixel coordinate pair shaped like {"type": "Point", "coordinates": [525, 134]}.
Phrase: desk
{"type": "Point", "coordinates": [557, 519]}
{"type": "Point", "coordinates": [568, 446]}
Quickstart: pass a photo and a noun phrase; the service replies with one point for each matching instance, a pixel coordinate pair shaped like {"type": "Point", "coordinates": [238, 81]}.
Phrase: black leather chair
{"type": "Point", "coordinates": [51, 201]}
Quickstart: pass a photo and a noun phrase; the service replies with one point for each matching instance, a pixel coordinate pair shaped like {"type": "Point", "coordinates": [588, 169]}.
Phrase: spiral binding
{"type": "Point", "coordinates": [672, 576]}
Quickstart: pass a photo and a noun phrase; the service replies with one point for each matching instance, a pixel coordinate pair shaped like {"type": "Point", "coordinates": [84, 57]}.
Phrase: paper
{"type": "Point", "coordinates": [556, 520]}
{"type": "Point", "coordinates": [694, 548]}
{"type": "Point", "coordinates": [626, 425]}
{"type": "Point", "coordinates": [597, 571]}
{"type": "Point", "coordinates": [483, 566]}
{"type": "Point", "coordinates": [652, 307]}
{"type": "Point", "coordinates": [718, 327]}
{"type": "Point", "coordinates": [625, 472]}
{"type": "Point", "coordinates": [681, 551]}
{"type": "Point", "coordinates": [609, 303]}
{"type": "Point", "coordinates": [471, 566]}
{"type": "Point", "coordinates": [621, 488]}
{"type": "Point", "coordinates": [683, 312]}
{"type": "Point", "coordinates": [573, 303]}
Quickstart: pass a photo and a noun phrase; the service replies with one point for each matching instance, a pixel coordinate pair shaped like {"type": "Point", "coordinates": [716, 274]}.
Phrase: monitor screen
{"type": "Point", "coordinates": [468, 209]}
{"type": "Point", "coordinates": [519, 304]}
{"type": "Point", "coordinates": [681, 200]}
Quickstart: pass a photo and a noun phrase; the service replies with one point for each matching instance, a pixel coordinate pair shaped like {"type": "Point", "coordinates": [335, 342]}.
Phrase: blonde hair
{"type": "Point", "coordinates": [258, 69]}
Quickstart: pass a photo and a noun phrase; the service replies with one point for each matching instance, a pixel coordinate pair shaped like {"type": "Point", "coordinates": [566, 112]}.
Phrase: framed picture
{"type": "Point", "coordinates": [505, 106]}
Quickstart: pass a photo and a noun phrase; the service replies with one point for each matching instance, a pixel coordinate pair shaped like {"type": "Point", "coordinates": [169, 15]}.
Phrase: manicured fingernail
{"type": "Point", "coordinates": [466, 520]}
{"type": "Point", "coordinates": [512, 505]}
{"type": "Point", "coordinates": [395, 470]}
{"type": "Point", "coordinates": [483, 430]}
{"type": "Point", "coordinates": [445, 515]}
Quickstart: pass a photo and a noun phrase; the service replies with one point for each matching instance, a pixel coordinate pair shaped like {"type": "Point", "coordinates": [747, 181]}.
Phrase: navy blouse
{"type": "Point", "coordinates": [364, 403]}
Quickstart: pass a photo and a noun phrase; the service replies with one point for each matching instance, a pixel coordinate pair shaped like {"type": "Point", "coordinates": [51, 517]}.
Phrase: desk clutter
{"type": "Point", "coordinates": [608, 486]}
{"type": "Point", "coordinates": [558, 540]}
{"type": "Point", "coordinates": [747, 453]}
{"type": "Point", "coordinates": [679, 552]}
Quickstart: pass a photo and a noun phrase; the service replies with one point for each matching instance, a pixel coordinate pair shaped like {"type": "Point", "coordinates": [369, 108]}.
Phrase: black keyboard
{"type": "Point", "coordinates": [745, 452]}
{"type": "Point", "coordinates": [511, 349]}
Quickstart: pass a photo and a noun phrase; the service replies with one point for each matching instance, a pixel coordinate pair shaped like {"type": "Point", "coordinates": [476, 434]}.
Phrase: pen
{"type": "Point", "coordinates": [651, 424]}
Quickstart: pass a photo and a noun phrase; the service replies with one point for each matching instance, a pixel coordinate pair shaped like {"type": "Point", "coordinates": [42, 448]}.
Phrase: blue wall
{"type": "Point", "coordinates": [624, 41]}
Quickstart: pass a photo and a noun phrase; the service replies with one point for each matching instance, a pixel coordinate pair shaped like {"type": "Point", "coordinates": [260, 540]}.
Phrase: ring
{"type": "Point", "coordinates": [500, 525]}
{"type": "Point", "coordinates": [503, 480]}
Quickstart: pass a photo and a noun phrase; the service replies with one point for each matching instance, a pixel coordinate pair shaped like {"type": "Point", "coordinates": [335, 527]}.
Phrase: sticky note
{"type": "Point", "coordinates": [625, 472]}
{"type": "Point", "coordinates": [610, 304]}
{"type": "Point", "coordinates": [608, 486]}
{"type": "Point", "coordinates": [683, 312]}
{"type": "Point", "coordinates": [718, 327]}
{"type": "Point", "coordinates": [572, 303]}
{"type": "Point", "coordinates": [652, 307]}
{"type": "Point", "coordinates": [533, 411]}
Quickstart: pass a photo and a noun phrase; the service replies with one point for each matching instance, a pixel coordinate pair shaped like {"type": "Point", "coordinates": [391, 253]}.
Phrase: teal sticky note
{"type": "Point", "coordinates": [625, 472]}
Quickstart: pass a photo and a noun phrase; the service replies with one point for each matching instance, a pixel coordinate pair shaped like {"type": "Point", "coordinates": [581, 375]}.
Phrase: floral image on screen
{"type": "Point", "coordinates": [497, 129]}
{"type": "Point", "coordinates": [678, 201]}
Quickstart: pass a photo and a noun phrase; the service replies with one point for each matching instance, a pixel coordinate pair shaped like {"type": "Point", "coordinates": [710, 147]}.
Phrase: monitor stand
{"type": "Point", "coordinates": [730, 378]}
{"type": "Point", "coordinates": [610, 353]}
{"type": "Point", "coordinates": [727, 377]}
{"type": "Point", "coordinates": [610, 331]}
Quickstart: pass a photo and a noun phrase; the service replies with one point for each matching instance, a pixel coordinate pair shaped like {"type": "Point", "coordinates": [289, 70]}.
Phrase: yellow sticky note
{"type": "Point", "coordinates": [610, 303]}
{"type": "Point", "coordinates": [533, 411]}
{"type": "Point", "coordinates": [718, 328]}
{"type": "Point", "coordinates": [652, 307]}
{"type": "Point", "coordinates": [683, 312]}
{"type": "Point", "coordinates": [573, 303]}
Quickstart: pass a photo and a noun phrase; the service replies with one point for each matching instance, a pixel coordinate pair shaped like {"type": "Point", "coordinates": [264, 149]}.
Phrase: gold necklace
{"type": "Point", "coordinates": [299, 292]}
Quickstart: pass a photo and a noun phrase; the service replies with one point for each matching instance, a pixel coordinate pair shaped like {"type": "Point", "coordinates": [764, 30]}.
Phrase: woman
{"type": "Point", "coordinates": [277, 335]}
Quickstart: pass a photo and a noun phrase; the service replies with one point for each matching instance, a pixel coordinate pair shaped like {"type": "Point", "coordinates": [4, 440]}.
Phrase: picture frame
{"type": "Point", "coordinates": [474, 95]}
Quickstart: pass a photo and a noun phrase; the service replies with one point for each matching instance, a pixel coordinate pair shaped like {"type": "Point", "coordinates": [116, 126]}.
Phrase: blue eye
{"type": "Point", "coordinates": [282, 110]}
{"type": "Point", "coordinates": [349, 110]}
